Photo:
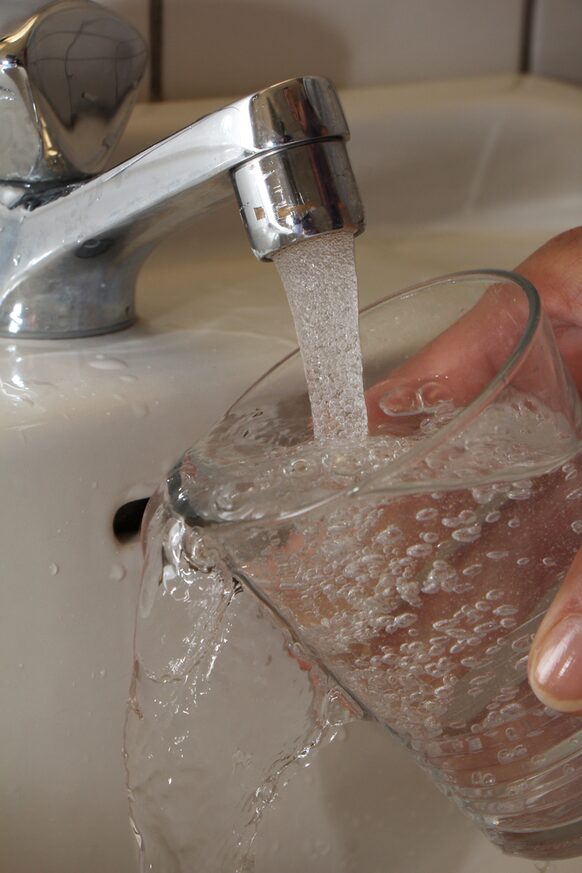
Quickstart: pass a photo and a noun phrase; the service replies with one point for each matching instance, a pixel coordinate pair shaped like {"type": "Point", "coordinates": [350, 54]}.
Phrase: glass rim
{"type": "Point", "coordinates": [502, 378]}
{"type": "Point", "coordinates": [381, 479]}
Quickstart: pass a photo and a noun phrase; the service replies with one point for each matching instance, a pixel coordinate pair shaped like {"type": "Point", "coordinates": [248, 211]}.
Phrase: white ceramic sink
{"type": "Point", "coordinates": [471, 174]}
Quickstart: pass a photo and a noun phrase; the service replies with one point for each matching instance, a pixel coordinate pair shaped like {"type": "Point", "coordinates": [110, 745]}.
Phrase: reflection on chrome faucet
{"type": "Point", "coordinates": [72, 242]}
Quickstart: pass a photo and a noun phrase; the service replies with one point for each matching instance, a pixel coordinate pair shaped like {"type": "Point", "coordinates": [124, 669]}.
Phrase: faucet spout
{"type": "Point", "coordinates": [70, 252]}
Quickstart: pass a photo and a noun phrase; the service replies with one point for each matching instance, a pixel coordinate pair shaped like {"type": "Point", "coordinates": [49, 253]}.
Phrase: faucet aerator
{"type": "Point", "coordinates": [295, 193]}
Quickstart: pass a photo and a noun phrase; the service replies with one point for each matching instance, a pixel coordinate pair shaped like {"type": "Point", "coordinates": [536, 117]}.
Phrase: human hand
{"type": "Point", "coordinates": [555, 269]}
{"type": "Point", "coordinates": [555, 661]}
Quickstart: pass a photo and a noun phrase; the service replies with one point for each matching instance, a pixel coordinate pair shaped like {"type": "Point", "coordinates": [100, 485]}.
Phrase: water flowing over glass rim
{"type": "Point", "coordinates": [380, 480]}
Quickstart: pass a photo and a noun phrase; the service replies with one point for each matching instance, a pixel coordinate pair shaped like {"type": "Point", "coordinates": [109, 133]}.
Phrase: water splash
{"type": "Point", "coordinates": [210, 666]}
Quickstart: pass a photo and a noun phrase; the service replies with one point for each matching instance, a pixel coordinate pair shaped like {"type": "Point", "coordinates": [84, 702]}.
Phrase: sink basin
{"type": "Point", "coordinates": [470, 174]}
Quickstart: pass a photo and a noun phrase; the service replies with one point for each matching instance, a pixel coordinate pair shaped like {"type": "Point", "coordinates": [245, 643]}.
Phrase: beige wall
{"type": "Point", "coordinates": [556, 45]}
{"type": "Point", "coordinates": [227, 47]}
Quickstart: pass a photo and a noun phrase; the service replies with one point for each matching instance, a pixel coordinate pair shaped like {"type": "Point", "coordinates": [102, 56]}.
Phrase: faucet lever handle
{"type": "Point", "coordinates": [68, 81]}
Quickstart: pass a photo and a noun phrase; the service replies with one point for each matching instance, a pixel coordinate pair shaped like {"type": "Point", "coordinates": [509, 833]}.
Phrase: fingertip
{"type": "Point", "coordinates": [555, 665]}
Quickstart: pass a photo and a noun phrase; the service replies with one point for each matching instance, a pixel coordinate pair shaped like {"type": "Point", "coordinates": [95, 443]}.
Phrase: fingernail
{"type": "Point", "coordinates": [556, 672]}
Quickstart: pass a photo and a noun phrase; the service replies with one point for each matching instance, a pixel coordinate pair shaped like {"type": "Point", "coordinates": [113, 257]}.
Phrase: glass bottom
{"type": "Point", "coordinates": [555, 844]}
{"type": "Point", "coordinates": [531, 806]}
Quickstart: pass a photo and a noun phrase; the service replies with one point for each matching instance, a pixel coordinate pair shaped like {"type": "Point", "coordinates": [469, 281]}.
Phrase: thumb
{"type": "Point", "coordinates": [555, 659]}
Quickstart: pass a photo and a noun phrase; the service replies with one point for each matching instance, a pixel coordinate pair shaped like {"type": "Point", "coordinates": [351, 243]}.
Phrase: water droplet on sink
{"type": "Point", "coordinates": [128, 378]}
{"type": "Point", "coordinates": [117, 572]}
{"type": "Point", "coordinates": [37, 383]}
{"type": "Point", "coordinates": [140, 409]}
{"type": "Point", "coordinates": [102, 362]}
{"type": "Point", "coordinates": [53, 569]}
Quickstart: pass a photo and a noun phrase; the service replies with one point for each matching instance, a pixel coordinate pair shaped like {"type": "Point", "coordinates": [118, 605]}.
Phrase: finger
{"type": "Point", "coordinates": [555, 270]}
{"type": "Point", "coordinates": [465, 357]}
{"type": "Point", "coordinates": [555, 660]}
{"type": "Point", "coordinates": [461, 361]}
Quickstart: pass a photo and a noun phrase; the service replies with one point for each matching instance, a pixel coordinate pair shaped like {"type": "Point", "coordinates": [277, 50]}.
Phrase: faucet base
{"type": "Point", "coordinates": [67, 334]}
{"type": "Point", "coordinates": [72, 299]}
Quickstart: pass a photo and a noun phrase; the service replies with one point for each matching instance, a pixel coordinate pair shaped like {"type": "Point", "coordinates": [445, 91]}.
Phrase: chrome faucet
{"type": "Point", "coordinates": [73, 237]}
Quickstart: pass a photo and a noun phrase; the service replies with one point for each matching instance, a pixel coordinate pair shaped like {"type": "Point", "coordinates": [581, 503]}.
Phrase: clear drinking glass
{"type": "Point", "coordinates": [415, 565]}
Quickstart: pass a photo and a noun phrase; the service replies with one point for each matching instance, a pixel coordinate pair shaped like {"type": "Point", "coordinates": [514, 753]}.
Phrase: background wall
{"type": "Point", "coordinates": [227, 47]}
{"type": "Point", "coordinates": [556, 44]}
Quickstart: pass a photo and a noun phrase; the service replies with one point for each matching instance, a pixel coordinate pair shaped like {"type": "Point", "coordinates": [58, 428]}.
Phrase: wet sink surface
{"type": "Point", "coordinates": [473, 174]}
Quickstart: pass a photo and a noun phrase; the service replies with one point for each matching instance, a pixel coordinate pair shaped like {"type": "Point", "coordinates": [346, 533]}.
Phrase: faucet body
{"type": "Point", "coordinates": [72, 244]}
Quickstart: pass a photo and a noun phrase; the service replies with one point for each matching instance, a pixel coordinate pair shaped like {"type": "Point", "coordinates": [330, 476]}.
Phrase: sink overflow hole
{"type": "Point", "coordinates": [127, 519]}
